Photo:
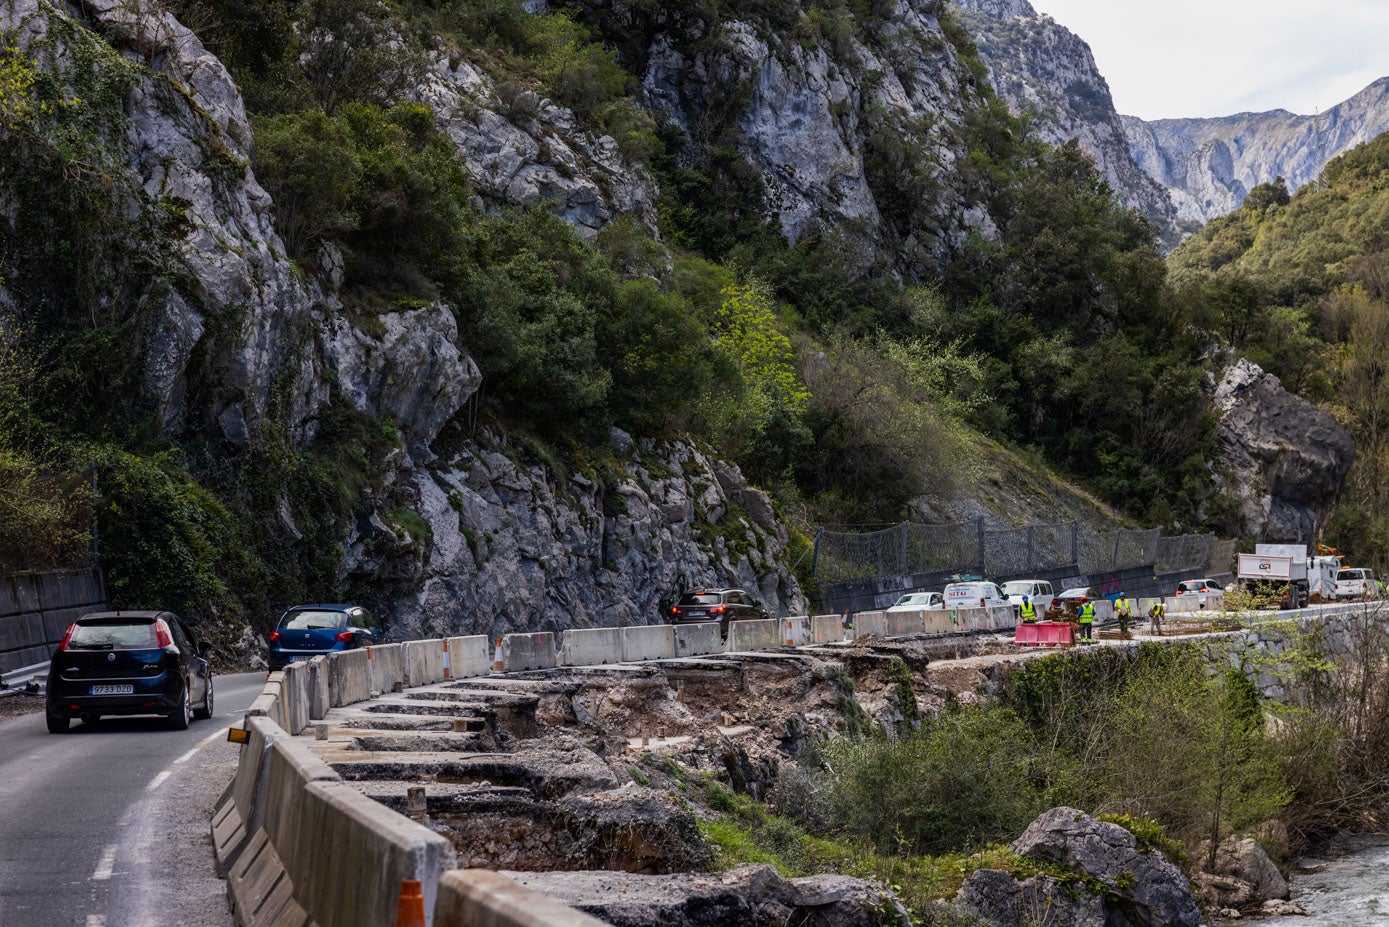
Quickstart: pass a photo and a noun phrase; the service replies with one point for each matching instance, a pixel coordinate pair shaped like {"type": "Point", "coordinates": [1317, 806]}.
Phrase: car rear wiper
{"type": "Point", "coordinates": [320, 627]}
{"type": "Point", "coordinates": [96, 646]}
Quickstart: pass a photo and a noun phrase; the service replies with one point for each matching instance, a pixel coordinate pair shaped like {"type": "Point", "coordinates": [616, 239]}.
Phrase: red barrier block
{"type": "Point", "coordinates": [1026, 634]}
{"type": "Point", "coordinates": [1056, 633]}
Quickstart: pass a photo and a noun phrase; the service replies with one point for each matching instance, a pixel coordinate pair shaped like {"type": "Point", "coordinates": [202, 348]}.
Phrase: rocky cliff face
{"type": "Point", "coordinates": [239, 340]}
{"type": "Point", "coordinates": [1209, 165]}
{"type": "Point", "coordinates": [1283, 460]}
{"type": "Point", "coordinates": [1038, 66]}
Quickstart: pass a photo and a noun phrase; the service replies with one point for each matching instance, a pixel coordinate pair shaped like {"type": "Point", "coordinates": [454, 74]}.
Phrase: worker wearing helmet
{"type": "Point", "coordinates": [1086, 614]}
{"type": "Point", "coordinates": [1027, 611]}
{"type": "Point", "coordinates": [1124, 610]}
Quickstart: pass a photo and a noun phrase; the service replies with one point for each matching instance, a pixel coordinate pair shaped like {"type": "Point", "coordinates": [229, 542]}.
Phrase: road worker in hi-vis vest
{"type": "Point", "coordinates": [1027, 611]}
{"type": "Point", "coordinates": [1086, 614]}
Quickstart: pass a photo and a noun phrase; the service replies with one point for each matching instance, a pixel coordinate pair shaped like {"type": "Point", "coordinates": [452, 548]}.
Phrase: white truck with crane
{"type": "Point", "coordinates": [1287, 572]}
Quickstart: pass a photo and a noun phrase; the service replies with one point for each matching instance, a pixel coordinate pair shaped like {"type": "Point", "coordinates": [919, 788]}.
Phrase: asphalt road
{"type": "Point", "coordinates": [107, 825]}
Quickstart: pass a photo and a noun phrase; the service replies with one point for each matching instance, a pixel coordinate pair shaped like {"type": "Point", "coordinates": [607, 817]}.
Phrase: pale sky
{"type": "Point", "coordinates": [1217, 57]}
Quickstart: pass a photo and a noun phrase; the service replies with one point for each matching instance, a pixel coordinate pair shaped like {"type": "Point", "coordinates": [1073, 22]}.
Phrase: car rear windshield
{"type": "Point", "coordinates": [1351, 574]}
{"type": "Point", "coordinates": [114, 635]}
{"type": "Point", "coordinates": [700, 598]}
{"type": "Point", "coordinates": [308, 620]}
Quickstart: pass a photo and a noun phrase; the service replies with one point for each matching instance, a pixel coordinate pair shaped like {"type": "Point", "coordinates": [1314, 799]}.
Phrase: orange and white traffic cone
{"type": "Point", "coordinates": [498, 661]}
{"type": "Point", "coordinates": [409, 911]}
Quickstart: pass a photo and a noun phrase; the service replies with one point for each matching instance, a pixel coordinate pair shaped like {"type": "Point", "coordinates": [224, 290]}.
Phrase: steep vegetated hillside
{"type": "Point", "coordinates": [494, 315]}
{"type": "Point", "coordinates": [1300, 284]}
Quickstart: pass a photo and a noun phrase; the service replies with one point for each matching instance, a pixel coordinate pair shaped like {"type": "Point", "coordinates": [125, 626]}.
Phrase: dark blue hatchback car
{"type": "Point", "coordinates": [306, 631]}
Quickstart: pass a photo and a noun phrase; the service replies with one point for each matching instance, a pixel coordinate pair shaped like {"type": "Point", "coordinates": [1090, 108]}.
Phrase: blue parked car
{"type": "Point", "coordinates": [307, 631]}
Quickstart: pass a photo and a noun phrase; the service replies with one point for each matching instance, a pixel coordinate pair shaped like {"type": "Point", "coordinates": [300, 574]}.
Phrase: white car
{"type": "Point", "coordinates": [1038, 592]}
{"type": "Point", "coordinates": [918, 602]}
{"type": "Point", "coordinates": [973, 595]}
{"type": "Point", "coordinates": [1356, 583]}
{"type": "Point", "coordinates": [1199, 587]}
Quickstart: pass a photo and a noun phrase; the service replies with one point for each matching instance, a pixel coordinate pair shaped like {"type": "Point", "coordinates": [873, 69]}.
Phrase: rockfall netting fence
{"type": "Point", "coordinates": [910, 548]}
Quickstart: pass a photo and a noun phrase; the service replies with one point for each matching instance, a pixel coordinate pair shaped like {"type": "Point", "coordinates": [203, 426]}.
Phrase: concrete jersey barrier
{"type": "Point", "coordinates": [693, 640]}
{"type": "Point", "coordinates": [648, 642]}
{"type": "Point", "coordinates": [758, 634]}
{"type": "Point", "coordinates": [522, 652]}
{"type": "Point", "coordinates": [480, 898]}
{"type": "Point", "coordinates": [591, 646]}
{"type": "Point", "coordinates": [423, 662]}
{"type": "Point", "coordinates": [469, 656]}
{"type": "Point", "coordinates": [349, 678]}
{"type": "Point", "coordinates": [825, 629]}
{"type": "Point", "coordinates": [870, 624]}
{"type": "Point", "coordinates": [795, 632]}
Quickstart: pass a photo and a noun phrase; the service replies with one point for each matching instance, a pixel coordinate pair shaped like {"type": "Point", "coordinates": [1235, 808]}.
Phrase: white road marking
{"type": "Point", "coordinates": [158, 780]}
{"type": "Point", "coordinates": [188, 756]}
{"type": "Point", "coordinates": [106, 865]}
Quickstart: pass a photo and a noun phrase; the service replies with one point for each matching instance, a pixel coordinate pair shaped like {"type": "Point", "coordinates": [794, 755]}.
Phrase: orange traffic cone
{"type": "Point", "coordinates": [498, 661]}
{"type": "Point", "coordinates": [409, 911]}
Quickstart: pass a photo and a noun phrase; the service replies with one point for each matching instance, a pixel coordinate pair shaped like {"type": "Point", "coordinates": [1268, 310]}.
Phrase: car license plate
{"type": "Point", "coordinates": [112, 690]}
{"type": "Point", "coordinates": [697, 612]}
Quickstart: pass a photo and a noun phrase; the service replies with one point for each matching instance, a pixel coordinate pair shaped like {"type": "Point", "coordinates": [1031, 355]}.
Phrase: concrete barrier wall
{"type": "Point", "coordinates": [387, 668]}
{"type": "Point", "coordinates": [469, 656]}
{"type": "Point", "coordinates": [529, 652]}
{"type": "Point", "coordinates": [648, 642]}
{"type": "Point", "coordinates": [692, 640]}
{"type": "Point", "coordinates": [903, 624]}
{"type": "Point", "coordinates": [479, 898]}
{"type": "Point", "coordinates": [870, 624]}
{"type": "Point", "coordinates": [591, 646]}
{"type": "Point", "coordinates": [970, 619]}
{"type": "Point", "coordinates": [1005, 617]}
{"type": "Point", "coordinates": [297, 693]}
{"type": "Point", "coordinates": [795, 631]}
{"type": "Point", "coordinates": [319, 698]}
{"type": "Point", "coordinates": [825, 629]}
{"type": "Point", "coordinates": [938, 621]}
{"type": "Point", "coordinates": [423, 662]}
{"type": "Point", "coordinates": [349, 678]}
{"type": "Point", "coordinates": [762, 634]}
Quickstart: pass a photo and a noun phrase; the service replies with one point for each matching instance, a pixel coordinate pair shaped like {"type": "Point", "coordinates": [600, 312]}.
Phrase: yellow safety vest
{"type": "Point", "coordinates": [1087, 614]}
{"type": "Point", "coordinates": [1028, 611]}
{"type": "Point", "coordinates": [1122, 607]}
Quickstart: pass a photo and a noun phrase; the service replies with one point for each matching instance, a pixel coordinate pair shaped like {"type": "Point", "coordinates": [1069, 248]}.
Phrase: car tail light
{"type": "Point", "coordinates": [675, 611]}
{"type": "Point", "coordinates": [161, 634]}
{"type": "Point", "coordinates": [343, 637]}
{"type": "Point", "coordinates": [717, 610]}
{"type": "Point", "coordinates": [274, 636]}
{"type": "Point", "coordinates": [67, 636]}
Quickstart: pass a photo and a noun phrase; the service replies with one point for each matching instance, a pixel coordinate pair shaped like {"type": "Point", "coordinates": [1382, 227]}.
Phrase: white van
{"type": "Point", "coordinates": [1038, 592]}
{"type": "Point", "coordinates": [918, 602]}
{"type": "Point", "coordinates": [973, 595]}
{"type": "Point", "coordinates": [1356, 584]}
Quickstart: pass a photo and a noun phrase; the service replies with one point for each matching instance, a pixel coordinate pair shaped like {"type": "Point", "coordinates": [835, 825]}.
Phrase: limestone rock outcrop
{"type": "Point", "coordinates": [1142, 889]}
{"type": "Point", "coordinates": [1282, 459]}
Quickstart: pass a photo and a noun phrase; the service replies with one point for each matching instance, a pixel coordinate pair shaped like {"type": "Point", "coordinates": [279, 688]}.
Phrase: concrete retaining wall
{"type": "Point", "coordinates": [648, 642]}
{"type": "Point", "coordinates": [423, 662]}
{"type": "Point", "coordinates": [36, 609]}
{"type": "Point", "coordinates": [591, 646]}
{"type": "Point", "coordinates": [692, 640]}
{"type": "Point", "coordinates": [825, 629]}
{"type": "Point", "coordinates": [761, 634]}
{"type": "Point", "coordinates": [469, 656]}
{"type": "Point", "coordinates": [529, 652]}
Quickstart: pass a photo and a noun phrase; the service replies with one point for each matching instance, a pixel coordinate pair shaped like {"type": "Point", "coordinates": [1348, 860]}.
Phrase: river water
{"type": "Point", "coordinates": [1344, 884]}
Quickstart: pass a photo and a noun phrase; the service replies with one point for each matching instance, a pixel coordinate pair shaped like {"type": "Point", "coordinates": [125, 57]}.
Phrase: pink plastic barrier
{"type": "Point", "coordinates": [1044, 634]}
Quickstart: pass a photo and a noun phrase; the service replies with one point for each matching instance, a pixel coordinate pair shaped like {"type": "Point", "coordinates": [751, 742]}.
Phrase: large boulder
{"type": "Point", "coordinates": [1282, 459]}
{"type": "Point", "coordinates": [1140, 888]}
{"type": "Point", "coordinates": [748, 896]}
{"type": "Point", "coordinates": [1243, 858]}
